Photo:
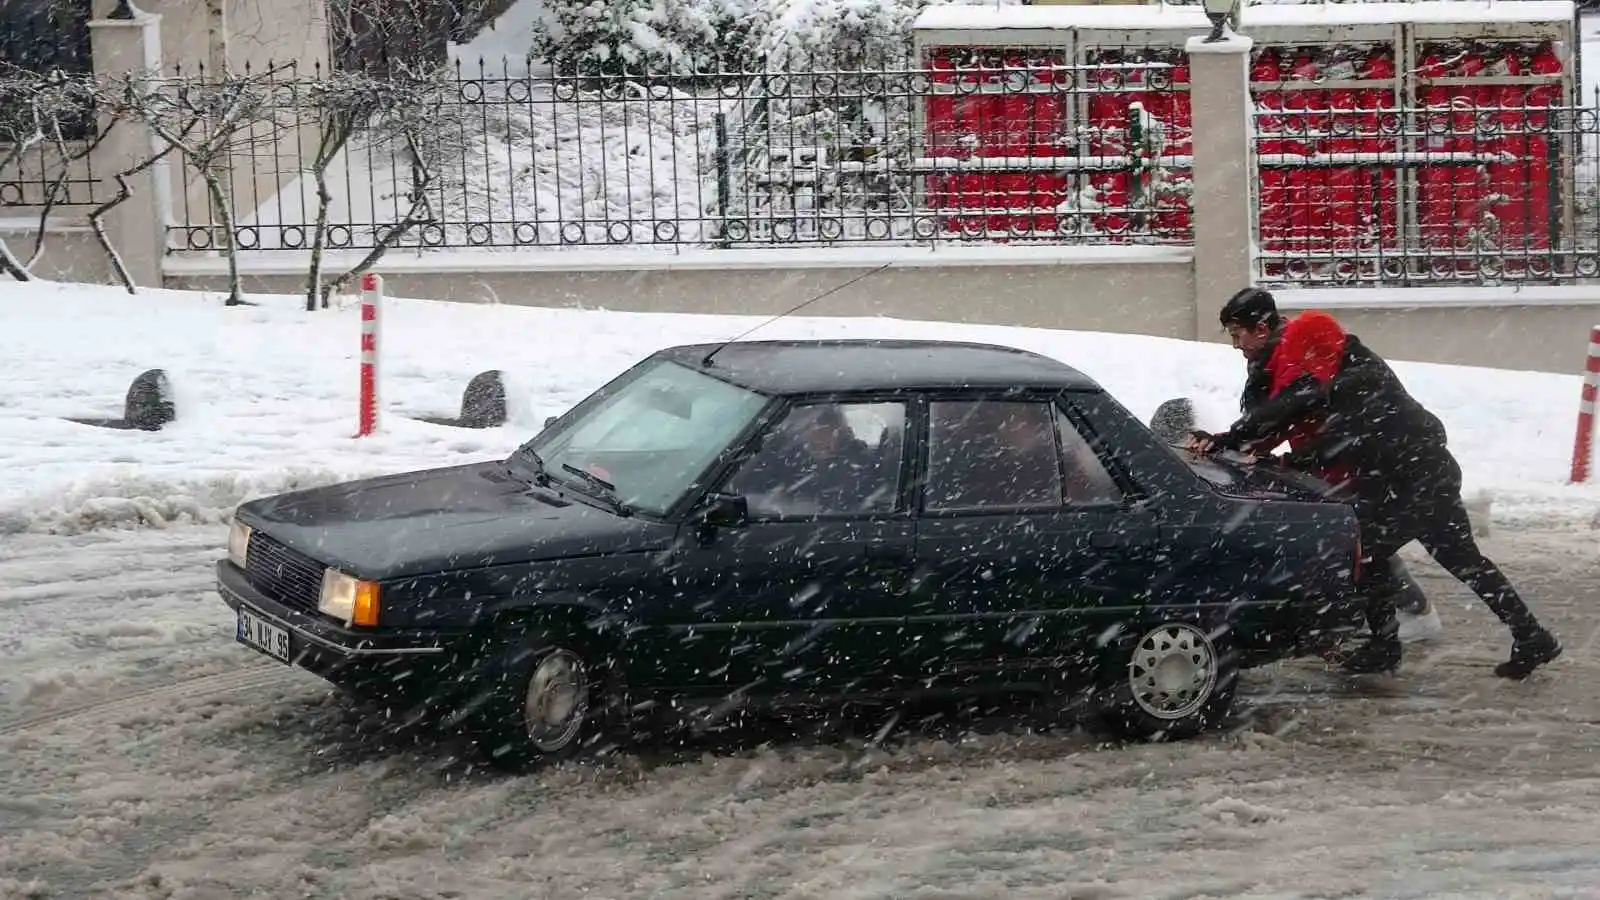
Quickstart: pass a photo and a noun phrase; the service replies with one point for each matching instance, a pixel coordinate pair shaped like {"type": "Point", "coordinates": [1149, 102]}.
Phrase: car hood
{"type": "Point", "coordinates": [439, 520]}
{"type": "Point", "coordinates": [1233, 476]}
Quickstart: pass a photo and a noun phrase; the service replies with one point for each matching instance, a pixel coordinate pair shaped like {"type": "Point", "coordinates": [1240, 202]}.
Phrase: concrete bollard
{"type": "Point", "coordinates": [148, 405]}
{"type": "Point", "coordinates": [483, 403]}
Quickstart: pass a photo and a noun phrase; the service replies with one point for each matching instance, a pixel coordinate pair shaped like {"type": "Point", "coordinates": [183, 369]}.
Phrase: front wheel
{"type": "Point", "coordinates": [542, 701]}
{"type": "Point", "coordinates": [1174, 682]}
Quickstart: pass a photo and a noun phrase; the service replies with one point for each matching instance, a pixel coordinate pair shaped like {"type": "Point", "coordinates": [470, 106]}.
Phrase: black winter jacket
{"type": "Point", "coordinates": [1394, 447]}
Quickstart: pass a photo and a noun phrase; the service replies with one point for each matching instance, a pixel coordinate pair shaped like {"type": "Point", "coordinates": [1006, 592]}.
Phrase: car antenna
{"type": "Point", "coordinates": [792, 310]}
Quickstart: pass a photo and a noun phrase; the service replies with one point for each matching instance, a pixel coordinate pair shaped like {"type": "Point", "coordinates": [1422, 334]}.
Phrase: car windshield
{"type": "Point", "coordinates": [649, 437]}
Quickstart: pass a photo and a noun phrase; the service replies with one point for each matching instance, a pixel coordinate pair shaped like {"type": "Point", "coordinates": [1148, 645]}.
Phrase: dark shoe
{"type": "Point", "coordinates": [1529, 653]}
{"type": "Point", "coordinates": [1379, 654]}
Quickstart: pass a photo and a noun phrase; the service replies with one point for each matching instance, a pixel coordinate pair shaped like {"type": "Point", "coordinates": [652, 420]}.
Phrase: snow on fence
{"type": "Point", "coordinates": [895, 151]}
{"type": "Point", "coordinates": [1470, 165]}
{"type": "Point", "coordinates": [1463, 161]}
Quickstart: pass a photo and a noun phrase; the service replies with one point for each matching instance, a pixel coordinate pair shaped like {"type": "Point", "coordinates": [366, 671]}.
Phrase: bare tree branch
{"type": "Point", "coordinates": [401, 107]}
{"type": "Point", "coordinates": [33, 107]}
{"type": "Point", "coordinates": [226, 109]}
{"type": "Point", "coordinates": [420, 213]}
{"type": "Point", "coordinates": [124, 193]}
{"type": "Point", "coordinates": [57, 189]}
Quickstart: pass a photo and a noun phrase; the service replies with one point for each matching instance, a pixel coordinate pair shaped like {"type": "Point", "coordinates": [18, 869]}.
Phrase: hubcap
{"type": "Point", "coordinates": [1173, 671]}
{"type": "Point", "coordinates": [557, 701]}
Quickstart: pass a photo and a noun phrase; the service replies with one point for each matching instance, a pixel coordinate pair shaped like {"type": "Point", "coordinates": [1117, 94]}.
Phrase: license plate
{"type": "Point", "coordinates": [259, 634]}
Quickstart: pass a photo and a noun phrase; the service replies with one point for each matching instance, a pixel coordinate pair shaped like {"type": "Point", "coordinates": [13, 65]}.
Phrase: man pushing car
{"type": "Point", "coordinates": [1253, 322]}
{"type": "Point", "coordinates": [1405, 481]}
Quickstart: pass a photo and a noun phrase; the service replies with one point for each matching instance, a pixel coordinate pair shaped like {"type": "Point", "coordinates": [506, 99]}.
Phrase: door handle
{"type": "Point", "coordinates": [888, 553]}
{"type": "Point", "coordinates": [1106, 540]}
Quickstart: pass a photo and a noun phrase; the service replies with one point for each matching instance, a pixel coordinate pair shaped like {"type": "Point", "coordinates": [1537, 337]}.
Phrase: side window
{"type": "Point", "coordinates": [991, 454]}
{"type": "Point", "coordinates": [1087, 481]}
{"type": "Point", "coordinates": [826, 459]}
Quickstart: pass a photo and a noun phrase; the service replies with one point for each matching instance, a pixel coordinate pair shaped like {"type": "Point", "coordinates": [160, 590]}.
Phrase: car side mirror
{"type": "Point", "coordinates": [724, 511]}
{"type": "Point", "coordinates": [550, 420]}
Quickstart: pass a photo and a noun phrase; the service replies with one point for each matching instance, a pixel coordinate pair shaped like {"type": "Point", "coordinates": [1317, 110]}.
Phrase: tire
{"type": "Point", "coordinates": [543, 699]}
{"type": "Point", "coordinates": [1173, 682]}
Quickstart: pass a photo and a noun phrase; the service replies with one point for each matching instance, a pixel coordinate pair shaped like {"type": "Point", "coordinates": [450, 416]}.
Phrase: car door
{"type": "Point", "coordinates": [803, 596]}
{"type": "Point", "coordinates": [1033, 549]}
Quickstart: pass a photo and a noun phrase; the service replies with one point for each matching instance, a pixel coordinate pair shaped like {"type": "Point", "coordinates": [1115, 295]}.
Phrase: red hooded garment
{"type": "Point", "coordinates": [1312, 343]}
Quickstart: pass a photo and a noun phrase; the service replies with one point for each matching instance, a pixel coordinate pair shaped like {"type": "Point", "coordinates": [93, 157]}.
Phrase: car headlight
{"type": "Point", "coordinates": [238, 543]}
{"type": "Point", "coordinates": [348, 598]}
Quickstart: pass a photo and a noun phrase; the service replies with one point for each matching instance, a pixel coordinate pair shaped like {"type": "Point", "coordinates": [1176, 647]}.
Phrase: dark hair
{"type": "Point", "coordinates": [1250, 307]}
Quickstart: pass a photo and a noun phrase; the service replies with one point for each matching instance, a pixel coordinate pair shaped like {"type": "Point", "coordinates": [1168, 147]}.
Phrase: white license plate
{"type": "Point", "coordinates": [257, 633]}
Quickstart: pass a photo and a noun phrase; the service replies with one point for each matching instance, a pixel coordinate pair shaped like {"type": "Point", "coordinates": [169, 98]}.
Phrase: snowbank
{"type": "Point", "coordinates": [267, 396]}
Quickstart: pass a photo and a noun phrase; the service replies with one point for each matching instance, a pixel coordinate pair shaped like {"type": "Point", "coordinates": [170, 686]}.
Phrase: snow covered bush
{"type": "Point", "coordinates": [610, 37]}
{"type": "Point", "coordinates": [873, 33]}
{"type": "Point", "coordinates": [675, 37]}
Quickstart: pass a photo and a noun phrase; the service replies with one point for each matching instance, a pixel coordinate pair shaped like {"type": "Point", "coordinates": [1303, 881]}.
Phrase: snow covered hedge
{"type": "Point", "coordinates": [682, 36]}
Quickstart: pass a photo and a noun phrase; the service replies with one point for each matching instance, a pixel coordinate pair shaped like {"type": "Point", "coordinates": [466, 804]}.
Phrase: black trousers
{"type": "Point", "coordinates": [1396, 581]}
{"type": "Point", "coordinates": [1432, 513]}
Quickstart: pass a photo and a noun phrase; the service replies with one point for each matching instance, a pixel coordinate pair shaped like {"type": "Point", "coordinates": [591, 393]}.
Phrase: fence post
{"type": "Point", "coordinates": [371, 307]}
{"type": "Point", "coordinates": [1224, 168]}
{"type": "Point", "coordinates": [137, 229]}
{"type": "Point", "coordinates": [1583, 441]}
{"type": "Point", "coordinates": [724, 179]}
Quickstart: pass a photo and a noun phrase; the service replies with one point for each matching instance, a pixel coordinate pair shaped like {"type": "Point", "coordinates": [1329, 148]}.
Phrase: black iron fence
{"type": "Point", "coordinates": [1005, 146]}
{"type": "Point", "coordinates": [1449, 173]}
{"type": "Point", "coordinates": [1365, 177]}
{"type": "Point", "coordinates": [47, 132]}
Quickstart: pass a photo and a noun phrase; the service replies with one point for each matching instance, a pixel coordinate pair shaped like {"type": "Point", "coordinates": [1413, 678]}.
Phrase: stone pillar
{"type": "Point", "coordinates": [1224, 175]}
{"type": "Point", "coordinates": [137, 228]}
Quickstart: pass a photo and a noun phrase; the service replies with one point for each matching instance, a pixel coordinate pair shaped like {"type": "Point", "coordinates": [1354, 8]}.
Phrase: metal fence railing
{"type": "Point", "coordinates": [1428, 179]}
{"type": "Point", "coordinates": [1007, 146]}
{"type": "Point", "coordinates": [47, 130]}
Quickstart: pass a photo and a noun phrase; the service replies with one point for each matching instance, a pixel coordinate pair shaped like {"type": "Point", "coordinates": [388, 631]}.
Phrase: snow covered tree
{"type": "Point", "coordinates": [400, 116]}
{"type": "Point", "coordinates": [610, 37]}
{"type": "Point", "coordinates": [46, 123]}
{"type": "Point", "coordinates": [843, 33]}
{"type": "Point", "coordinates": [209, 121]}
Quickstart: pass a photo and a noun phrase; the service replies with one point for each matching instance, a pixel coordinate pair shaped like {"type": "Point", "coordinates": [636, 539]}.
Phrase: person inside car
{"type": "Point", "coordinates": [816, 464]}
{"type": "Point", "coordinates": [1406, 482]}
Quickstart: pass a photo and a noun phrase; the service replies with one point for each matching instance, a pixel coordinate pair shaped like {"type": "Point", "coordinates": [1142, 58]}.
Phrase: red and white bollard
{"type": "Point", "coordinates": [371, 303]}
{"type": "Point", "coordinates": [1583, 444]}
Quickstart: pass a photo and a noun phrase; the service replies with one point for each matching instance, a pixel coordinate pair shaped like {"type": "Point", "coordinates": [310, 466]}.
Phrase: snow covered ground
{"type": "Point", "coordinates": [267, 395]}
{"type": "Point", "coordinates": [144, 755]}
{"type": "Point", "coordinates": [162, 761]}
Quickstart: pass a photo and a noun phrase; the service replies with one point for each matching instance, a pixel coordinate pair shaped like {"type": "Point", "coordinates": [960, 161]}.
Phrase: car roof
{"type": "Point", "coordinates": [867, 364]}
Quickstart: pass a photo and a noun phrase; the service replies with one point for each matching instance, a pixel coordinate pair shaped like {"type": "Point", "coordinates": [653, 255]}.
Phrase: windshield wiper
{"type": "Point", "coordinates": [605, 489]}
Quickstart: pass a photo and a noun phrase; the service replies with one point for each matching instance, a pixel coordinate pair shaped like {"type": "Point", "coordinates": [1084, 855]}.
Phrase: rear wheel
{"type": "Point", "coordinates": [1174, 682]}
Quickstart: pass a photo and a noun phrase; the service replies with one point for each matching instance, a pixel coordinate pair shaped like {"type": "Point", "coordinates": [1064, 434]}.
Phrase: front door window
{"type": "Point", "coordinates": [826, 460]}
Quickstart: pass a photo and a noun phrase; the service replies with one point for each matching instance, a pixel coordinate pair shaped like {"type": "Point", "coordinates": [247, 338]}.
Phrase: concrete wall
{"type": "Point", "coordinates": [1132, 290]}
{"type": "Point", "coordinates": [69, 252]}
{"type": "Point", "coordinates": [1542, 329]}
{"type": "Point", "coordinates": [259, 32]}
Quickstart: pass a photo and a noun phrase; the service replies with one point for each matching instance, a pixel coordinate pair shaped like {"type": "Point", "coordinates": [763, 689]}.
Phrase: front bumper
{"type": "Point", "coordinates": [318, 644]}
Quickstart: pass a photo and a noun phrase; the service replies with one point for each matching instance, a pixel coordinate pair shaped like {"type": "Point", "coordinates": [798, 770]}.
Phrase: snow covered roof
{"type": "Point", "coordinates": [1119, 17]}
